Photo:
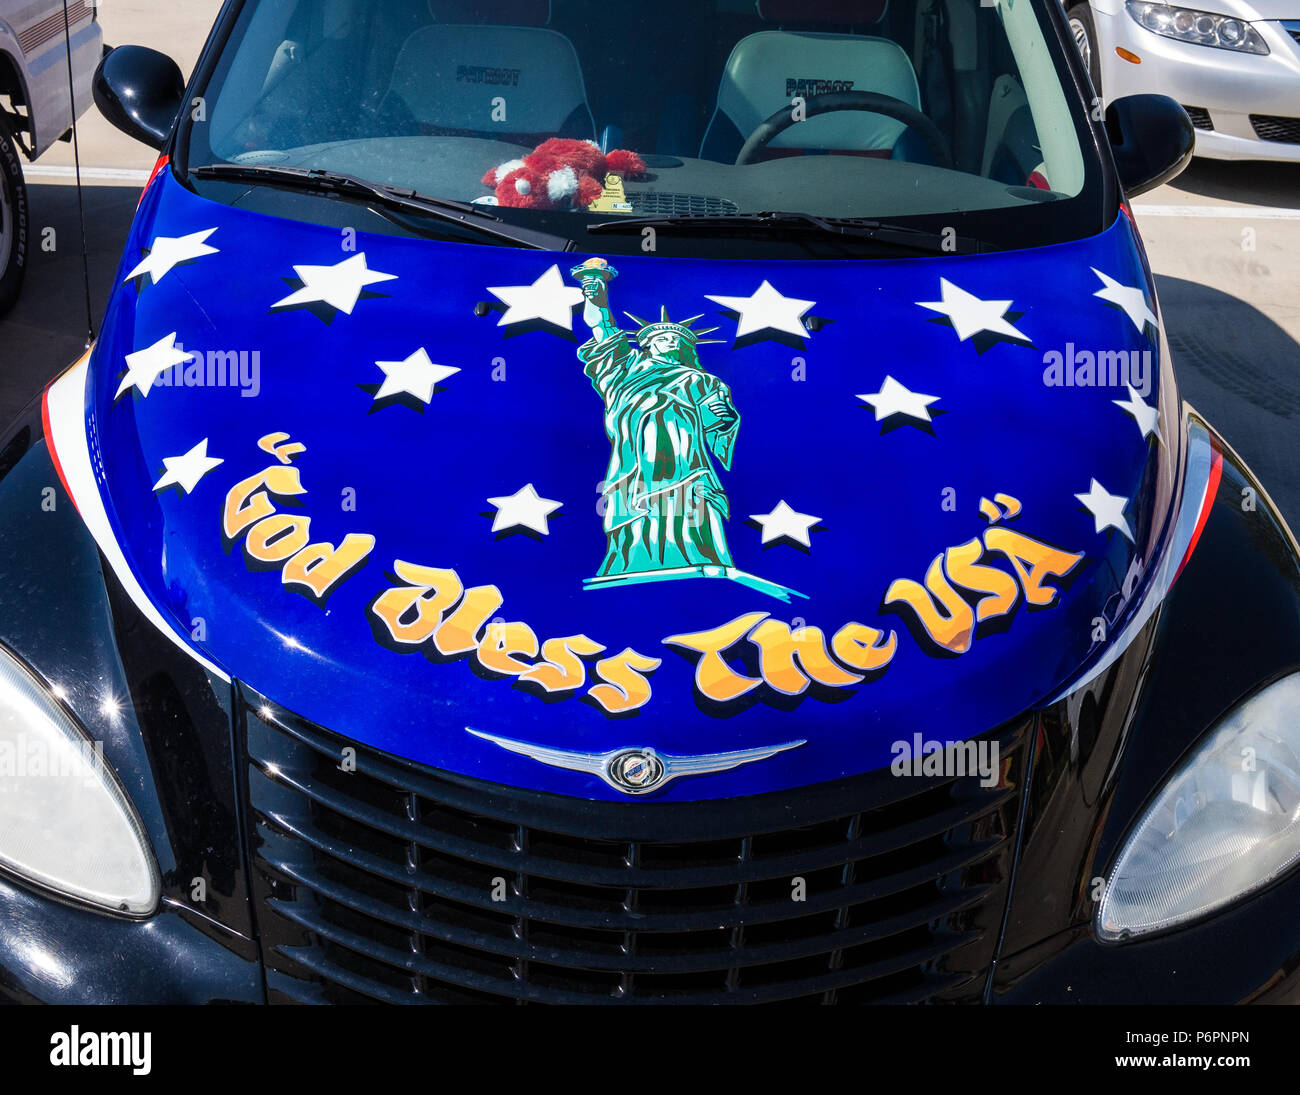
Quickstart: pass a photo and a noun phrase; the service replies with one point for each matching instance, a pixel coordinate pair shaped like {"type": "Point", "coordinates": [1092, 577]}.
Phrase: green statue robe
{"type": "Point", "coordinates": [665, 507]}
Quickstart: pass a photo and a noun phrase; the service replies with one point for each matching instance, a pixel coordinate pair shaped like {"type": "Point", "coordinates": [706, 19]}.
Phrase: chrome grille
{"type": "Point", "coordinates": [401, 884]}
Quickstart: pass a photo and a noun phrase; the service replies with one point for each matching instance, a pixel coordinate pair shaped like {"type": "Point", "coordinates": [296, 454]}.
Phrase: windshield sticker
{"type": "Point", "coordinates": [613, 199]}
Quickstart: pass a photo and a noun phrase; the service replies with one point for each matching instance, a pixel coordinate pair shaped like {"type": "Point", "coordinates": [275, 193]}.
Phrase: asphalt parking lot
{"type": "Point", "coordinates": [1224, 240]}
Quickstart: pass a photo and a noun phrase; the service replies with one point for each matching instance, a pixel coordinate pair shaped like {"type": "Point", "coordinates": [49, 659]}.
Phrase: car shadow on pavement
{"type": "Point", "coordinates": [46, 331]}
{"type": "Point", "coordinates": [1242, 371]}
{"type": "Point", "coordinates": [1275, 185]}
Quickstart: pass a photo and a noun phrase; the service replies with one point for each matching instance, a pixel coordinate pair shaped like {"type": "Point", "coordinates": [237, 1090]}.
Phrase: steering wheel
{"type": "Point", "coordinates": [868, 102]}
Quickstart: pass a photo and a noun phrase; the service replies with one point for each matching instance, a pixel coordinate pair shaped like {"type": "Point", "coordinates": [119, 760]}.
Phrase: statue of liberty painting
{"type": "Point", "coordinates": [672, 425]}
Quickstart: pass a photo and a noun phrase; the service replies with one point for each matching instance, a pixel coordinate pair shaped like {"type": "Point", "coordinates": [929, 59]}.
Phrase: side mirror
{"type": "Point", "coordinates": [140, 91]}
{"type": "Point", "coordinates": [1153, 140]}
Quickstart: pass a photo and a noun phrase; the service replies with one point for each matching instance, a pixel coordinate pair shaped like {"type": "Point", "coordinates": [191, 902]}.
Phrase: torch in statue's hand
{"type": "Point", "coordinates": [595, 276]}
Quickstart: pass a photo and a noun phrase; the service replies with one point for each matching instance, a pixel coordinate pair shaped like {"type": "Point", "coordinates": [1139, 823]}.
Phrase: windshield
{"type": "Point", "coordinates": [956, 116]}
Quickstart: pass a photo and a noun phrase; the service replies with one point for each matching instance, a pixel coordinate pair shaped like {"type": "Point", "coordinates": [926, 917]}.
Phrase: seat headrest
{"type": "Point", "coordinates": [769, 69]}
{"type": "Point", "coordinates": [504, 13]}
{"type": "Point", "coordinates": [829, 13]}
{"type": "Point", "coordinates": [449, 76]}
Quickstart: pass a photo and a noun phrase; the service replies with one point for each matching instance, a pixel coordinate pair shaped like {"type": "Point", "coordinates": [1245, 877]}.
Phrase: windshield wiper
{"type": "Point", "coordinates": [887, 232]}
{"type": "Point", "coordinates": [392, 198]}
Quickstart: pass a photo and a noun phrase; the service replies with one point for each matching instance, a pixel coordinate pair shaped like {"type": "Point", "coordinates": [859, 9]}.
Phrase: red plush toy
{"type": "Point", "coordinates": [560, 174]}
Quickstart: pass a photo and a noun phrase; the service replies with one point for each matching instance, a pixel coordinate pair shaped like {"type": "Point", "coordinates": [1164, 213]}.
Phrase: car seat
{"type": "Point", "coordinates": [769, 69]}
{"type": "Point", "coordinates": [512, 79]}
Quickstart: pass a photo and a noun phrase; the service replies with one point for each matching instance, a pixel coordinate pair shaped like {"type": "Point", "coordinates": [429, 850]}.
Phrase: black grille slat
{"type": "Point", "coordinates": [385, 994]}
{"type": "Point", "coordinates": [723, 958]}
{"type": "Point", "coordinates": [1269, 127]}
{"type": "Point", "coordinates": [382, 881]}
{"type": "Point", "coordinates": [1200, 117]}
{"type": "Point", "coordinates": [753, 870]}
{"type": "Point", "coordinates": [658, 922]}
{"type": "Point", "coordinates": [564, 814]}
{"type": "Point", "coordinates": [314, 962]}
{"type": "Point", "coordinates": [460, 978]}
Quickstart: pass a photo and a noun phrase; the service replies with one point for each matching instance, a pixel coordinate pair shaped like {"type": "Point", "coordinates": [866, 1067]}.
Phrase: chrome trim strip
{"type": "Point", "coordinates": [661, 769]}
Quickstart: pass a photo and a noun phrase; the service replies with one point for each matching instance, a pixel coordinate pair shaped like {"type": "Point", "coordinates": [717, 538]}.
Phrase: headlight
{"type": "Point", "coordinates": [1201, 28]}
{"type": "Point", "coordinates": [1227, 824]}
{"type": "Point", "coordinates": [64, 821]}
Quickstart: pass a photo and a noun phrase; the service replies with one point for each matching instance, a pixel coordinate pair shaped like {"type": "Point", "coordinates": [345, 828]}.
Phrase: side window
{"type": "Point", "coordinates": [273, 48]}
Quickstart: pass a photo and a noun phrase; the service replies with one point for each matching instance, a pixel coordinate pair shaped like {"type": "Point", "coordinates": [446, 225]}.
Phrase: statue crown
{"type": "Point", "coordinates": [648, 330]}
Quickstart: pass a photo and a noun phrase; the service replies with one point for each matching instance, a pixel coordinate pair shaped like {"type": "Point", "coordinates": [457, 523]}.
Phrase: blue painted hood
{"type": "Point", "coordinates": [939, 575]}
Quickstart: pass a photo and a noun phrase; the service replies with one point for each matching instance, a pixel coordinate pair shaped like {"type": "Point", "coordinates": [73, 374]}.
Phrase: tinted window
{"type": "Point", "coordinates": [941, 113]}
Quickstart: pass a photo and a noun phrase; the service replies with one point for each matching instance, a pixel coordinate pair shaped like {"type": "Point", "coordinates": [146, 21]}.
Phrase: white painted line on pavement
{"type": "Point", "coordinates": [106, 174]}
{"type": "Point", "coordinates": [1215, 212]}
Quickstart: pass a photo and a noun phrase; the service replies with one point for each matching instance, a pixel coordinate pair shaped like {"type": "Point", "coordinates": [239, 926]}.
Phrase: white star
{"type": "Point", "coordinates": [338, 286]}
{"type": "Point", "coordinates": [416, 376]}
{"type": "Point", "coordinates": [1107, 509]}
{"type": "Point", "coordinates": [971, 316]}
{"type": "Point", "coordinates": [893, 398]}
{"type": "Point", "coordinates": [1132, 301]}
{"type": "Point", "coordinates": [186, 471]}
{"type": "Point", "coordinates": [786, 523]}
{"type": "Point", "coordinates": [168, 252]}
{"type": "Point", "coordinates": [144, 367]}
{"type": "Point", "coordinates": [1147, 417]}
{"type": "Point", "coordinates": [524, 509]}
{"type": "Point", "coordinates": [768, 310]}
{"type": "Point", "coordinates": [548, 299]}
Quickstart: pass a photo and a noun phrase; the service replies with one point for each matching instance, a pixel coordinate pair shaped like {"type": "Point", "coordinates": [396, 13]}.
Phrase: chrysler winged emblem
{"type": "Point", "coordinates": [638, 771]}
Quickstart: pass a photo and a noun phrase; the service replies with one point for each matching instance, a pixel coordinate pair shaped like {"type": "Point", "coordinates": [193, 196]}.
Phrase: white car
{"type": "Point", "coordinates": [1234, 65]}
{"type": "Point", "coordinates": [35, 107]}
